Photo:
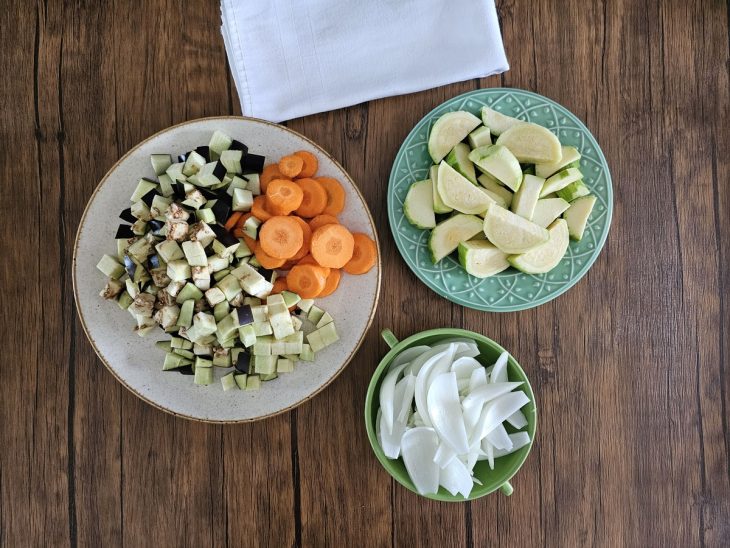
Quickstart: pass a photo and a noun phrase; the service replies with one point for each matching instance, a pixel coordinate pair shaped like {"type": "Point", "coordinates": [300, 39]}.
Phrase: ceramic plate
{"type": "Point", "coordinates": [510, 290]}
{"type": "Point", "coordinates": [135, 361]}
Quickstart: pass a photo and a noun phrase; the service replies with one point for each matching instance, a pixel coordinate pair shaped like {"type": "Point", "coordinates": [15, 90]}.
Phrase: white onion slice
{"type": "Point", "coordinates": [408, 355]}
{"type": "Point", "coordinates": [444, 455]}
{"type": "Point", "coordinates": [444, 410]}
{"type": "Point", "coordinates": [390, 442]}
{"type": "Point", "coordinates": [467, 351]}
{"type": "Point", "coordinates": [517, 419]}
{"type": "Point", "coordinates": [440, 360]}
{"type": "Point", "coordinates": [496, 411]}
{"type": "Point", "coordinates": [488, 449]}
{"type": "Point", "coordinates": [499, 373]}
{"type": "Point", "coordinates": [387, 395]}
{"type": "Point", "coordinates": [499, 438]}
{"type": "Point", "coordinates": [456, 478]}
{"type": "Point", "coordinates": [519, 440]}
{"type": "Point", "coordinates": [463, 367]}
{"type": "Point", "coordinates": [406, 398]}
{"type": "Point", "coordinates": [419, 446]}
{"type": "Point", "coordinates": [478, 378]}
{"type": "Point", "coordinates": [474, 402]}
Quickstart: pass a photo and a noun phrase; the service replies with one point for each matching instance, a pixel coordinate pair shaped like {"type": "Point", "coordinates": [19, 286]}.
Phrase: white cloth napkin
{"type": "Point", "coordinates": [291, 58]}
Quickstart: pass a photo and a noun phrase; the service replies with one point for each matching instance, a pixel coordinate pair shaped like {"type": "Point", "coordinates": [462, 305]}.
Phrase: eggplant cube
{"type": "Point", "coordinates": [204, 323]}
{"type": "Point", "coordinates": [160, 277]}
{"type": "Point", "coordinates": [201, 277]}
{"type": "Point", "coordinates": [242, 200]}
{"type": "Point", "coordinates": [201, 232]}
{"type": "Point", "coordinates": [111, 267]}
{"type": "Point", "coordinates": [112, 289]}
{"type": "Point", "coordinates": [159, 206]}
{"type": "Point", "coordinates": [140, 250]}
{"type": "Point", "coordinates": [237, 300]}
{"type": "Point", "coordinates": [177, 230]}
{"type": "Point", "coordinates": [219, 142]}
{"type": "Point", "coordinates": [216, 263]}
{"type": "Point", "coordinates": [143, 187]}
{"type": "Point", "coordinates": [193, 163]}
{"type": "Point", "coordinates": [169, 250]}
{"type": "Point", "coordinates": [178, 270]}
{"type": "Point", "coordinates": [211, 174]}
{"type": "Point", "coordinates": [194, 199]}
{"type": "Point", "coordinates": [228, 326]}
{"type": "Point", "coordinates": [174, 288]}
{"type": "Point", "coordinates": [231, 159]}
{"type": "Point", "coordinates": [175, 212]}
{"type": "Point", "coordinates": [143, 305]}
{"type": "Point", "coordinates": [251, 227]}
{"type": "Point", "coordinates": [139, 227]}
{"type": "Point", "coordinates": [141, 211]}
{"type": "Point", "coordinates": [195, 253]}
{"type": "Point", "coordinates": [215, 296]}
{"type": "Point", "coordinates": [167, 316]}
{"type": "Point", "coordinates": [230, 286]}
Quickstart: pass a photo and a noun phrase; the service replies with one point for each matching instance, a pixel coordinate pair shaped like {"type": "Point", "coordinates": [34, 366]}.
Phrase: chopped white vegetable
{"type": "Point", "coordinates": [444, 410]}
{"type": "Point", "coordinates": [442, 360]}
{"type": "Point", "coordinates": [456, 478]}
{"type": "Point", "coordinates": [418, 447]}
{"type": "Point", "coordinates": [499, 373]}
{"type": "Point", "coordinates": [387, 396]}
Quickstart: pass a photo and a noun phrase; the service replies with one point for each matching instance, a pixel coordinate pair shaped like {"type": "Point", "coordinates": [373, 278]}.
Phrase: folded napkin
{"type": "Point", "coordinates": [291, 58]}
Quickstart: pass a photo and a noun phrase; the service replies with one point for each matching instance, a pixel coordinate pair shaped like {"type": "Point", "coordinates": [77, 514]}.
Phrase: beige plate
{"type": "Point", "coordinates": [135, 361]}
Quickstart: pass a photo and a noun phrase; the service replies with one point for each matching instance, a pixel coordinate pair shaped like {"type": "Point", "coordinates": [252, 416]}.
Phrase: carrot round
{"type": "Point", "coordinates": [335, 195]}
{"type": "Point", "coordinates": [306, 280]}
{"type": "Point", "coordinates": [280, 285]}
{"type": "Point", "coordinates": [306, 244]}
{"type": "Point", "coordinates": [259, 209]}
{"type": "Point", "coordinates": [288, 265]}
{"type": "Point", "coordinates": [291, 166]}
{"type": "Point", "coordinates": [284, 195]}
{"type": "Point", "coordinates": [321, 220]}
{"type": "Point", "coordinates": [281, 237]}
{"type": "Point", "coordinates": [332, 283]}
{"type": "Point", "coordinates": [332, 245]}
{"type": "Point", "coordinates": [308, 259]}
{"type": "Point", "coordinates": [364, 254]}
{"type": "Point", "coordinates": [266, 260]}
{"type": "Point", "coordinates": [232, 220]}
{"type": "Point", "coordinates": [270, 173]}
{"type": "Point", "coordinates": [315, 198]}
{"type": "Point", "coordinates": [310, 163]}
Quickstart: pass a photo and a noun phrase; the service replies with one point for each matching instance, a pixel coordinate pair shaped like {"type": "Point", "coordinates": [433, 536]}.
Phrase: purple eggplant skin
{"type": "Point", "coordinates": [129, 266]}
{"type": "Point", "coordinates": [221, 210]}
{"type": "Point", "coordinates": [253, 163]}
{"type": "Point", "coordinates": [219, 171]}
{"type": "Point", "coordinates": [147, 198]}
{"type": "Point", "coordinates": [243, 362]}
{"type": "Point", "coordinates": [126, 215]}
{"type": "Point", "coordinates": [223, 236]}
{"type": "Point", "coordinates": [185, 370]}
{"type": "Point", "coordinates": [245, 314]}
{"type": "Point", "coordinates": [204, 151]}
{"type": "Point", "coordinates": [124, 232]}
{"type": "Point", "coordinates": [238, 145]}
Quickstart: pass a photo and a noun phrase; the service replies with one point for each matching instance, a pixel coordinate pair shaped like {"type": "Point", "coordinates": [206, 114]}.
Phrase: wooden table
{"type": "Point", "coordinates": [630, 367]}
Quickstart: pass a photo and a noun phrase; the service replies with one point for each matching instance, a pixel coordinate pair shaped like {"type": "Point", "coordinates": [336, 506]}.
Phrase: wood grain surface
{"type": "Point", "coordinates": [630, 367]}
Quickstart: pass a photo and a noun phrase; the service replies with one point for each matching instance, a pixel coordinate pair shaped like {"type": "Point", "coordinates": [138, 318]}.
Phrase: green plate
{"type": "Point", "coordinates": [510, 290]}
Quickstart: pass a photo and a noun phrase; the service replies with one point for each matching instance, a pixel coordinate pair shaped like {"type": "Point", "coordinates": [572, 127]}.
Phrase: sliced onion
{"type": "Point", "coordinates": [499, 373]}
{"type": "Point", "coordinates": [406, 398]}
{"type": "Point", "coordinates": [499, 438]}
{"type": "Point", "coordinates": [419, 446]}
{"type": "Point", "coordinates": [444, 410]}
{"type": "Point", "coordinates": [441, 359]}
{"type": "Point", "coordinates": [517, 420]}
{"type": "Point", "coordinates": [488, 450]}
{"type": "Point", "coordinates": [478, 378]}
{"type": "Point", "coordinates": [474, 402]}
{"type": "Point", "coordinates": [408, 355]}
{"type": "Point", "coordinates": [496, 411]}
{"type": "Point", "coordinates": [456, 478]}
{"type": "Point", "coordinates": [390, 442]}
{"type": "Point", "coordinates": [444, 455]}
{"type": "Point", "coordinates": [387, 395]}
{"type": "Point", "coordinates": [463, 367]}
{"type": "Point", "coordinates": [519, 440]}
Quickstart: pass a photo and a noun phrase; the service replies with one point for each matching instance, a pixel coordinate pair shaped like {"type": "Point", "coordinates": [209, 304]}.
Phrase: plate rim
{"type": "Point", "coordinates": [148, 400]}
{"type": "Point", "coordinates": [600, 243]}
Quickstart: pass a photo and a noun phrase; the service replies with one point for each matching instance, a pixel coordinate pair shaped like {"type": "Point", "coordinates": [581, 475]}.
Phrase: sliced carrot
{"type": "Point", "coordinates": [242, 220]}
{"type": "Point", "coordinates": [306, 280]}
{"type": "Point", "coordinates": [232, 220]}
{"type": "Point", "coordinates": [332, 245]}
{"type": "Point", "coordinates": [275, 210]}
{"type": "Point", "coordinates": [284, 195]}
{"type": "Point", "coordinates": [364, 254]}
{"type": "Point", "coordinates": [335, 195]}
{"type": "Point", "coordinates": [266, 260]}
{"type": "Point", "coordinates": [332, 283]}
{"type": "Point", "coordinates": [308, 259]}
{"type": "Point", "coordinates": [281, 237]}
{"type": "Point", "coordinates": [280, 285]}
{"type": "Point", "coordinates": [250, 242]}
{"type": "Point", "coordinates": [259, 209]}
{"type": "Point", "coordinates": [310, 163]}
{"type": "Point", "coordinates": [315, 198]}
{"type": "Point", "coordinates": [321, 220]}
{"type": "Point", "coordinates": [291, 166]}
{"type": "Point", "coordinates": [270, 173]}
{"type": "Point", "coordinates": [288, 265]}
{"type": "Point", "coordinates": [307, 233]}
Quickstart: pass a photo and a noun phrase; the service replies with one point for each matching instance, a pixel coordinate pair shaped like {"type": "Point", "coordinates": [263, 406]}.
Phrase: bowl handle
{"type": "Point", "coordinates": [388, 337]}
{"type": "Point", "coordinates": [506, 488]}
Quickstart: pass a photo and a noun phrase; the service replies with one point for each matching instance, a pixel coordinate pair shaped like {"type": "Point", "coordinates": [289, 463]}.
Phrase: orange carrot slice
{"type": "Point", "coordinates": [306, 280]}
{"type": "Point", "coordinates": [270, 173]}
{"type": "Point", "coordinates": [266, 260]}
{"type": "Point", "coordinates": [280, 285]}
{"type": "Point", "coordinates": [291, 166]}
{"type": "Point", "coordinates": [232, 220]}
{"type": "Point", "coordinates": [307, 233]}
{"type": "Point", "coordinates": [335, 195]}
{"type": "Point", "coordinates": [321, 220]}
{"type": "Point", "coordinates": [284, 196]}
{"type": "Point", "coordinates": [332, 283]}
{"type": "Point", "coordinates": [332, 245]}
{"type": "Point", "coordinates": [315, 198]}
{"type": "Point", "coordinates": [364, 254]}
{"type": "Point", "coordinates": [308, 259]}
{"type": "Point", "coordinates": [310, 163]}
{"type": "Point", "coordinates": [259, 209]}
{"type": "Point", "coordinates": [281, 237]}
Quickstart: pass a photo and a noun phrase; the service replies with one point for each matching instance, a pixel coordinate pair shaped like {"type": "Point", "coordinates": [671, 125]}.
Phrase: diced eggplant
{"type": "Point", "coordinates": [193, 162]}
{"type": "Point", "coordinates": [223, 236]}
{"type": "Point", "coordinates": [253, 163]}
{"type": "Point", "coordinates": [149, 197]}
{"type": "Point", "coordinates": [126, 215]}
{"type": "Point", "coordinates": [141, 211]}
{"type": "Point", "coordinates": [177, 230]}
{"type": "Point", "coordinates": [204, 151]}
{"type": "Point", "coordinates": [175, 212]}
{"type": "Point", "coordinates": [143, 187]}
{"type": "Point", "coordinates": [238, 145]}
{"type": "Point", "coordinates": [201, 232]}
{"type": "Point", "coordinates": [211, 174]}
{"type": "Point", "coordinates": [112, 289]}
{"type": "Point", "coordinates": [124, 232]}
{"type": "Point", "coordinates": [243, 362]}
{"type": "Point", "coordinates": [194, 199]}
{"type": "Point", "coordinates": [129, 266]}
{"type": "Point", "coordinates": [245, 315]}
{"type": "Point", "coordinates": [221, 210]}
{"type": "Point", "coordinates": [154, 261]}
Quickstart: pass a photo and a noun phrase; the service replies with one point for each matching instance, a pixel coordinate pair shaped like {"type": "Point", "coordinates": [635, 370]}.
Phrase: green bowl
{"type": "Point", "coordinates": [508, 291]}
{"type": "Point", "coordinates": [504, 467]}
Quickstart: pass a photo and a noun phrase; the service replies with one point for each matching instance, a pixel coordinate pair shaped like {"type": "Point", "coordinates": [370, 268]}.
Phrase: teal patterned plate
{"type": "Point", "coordinates": [510, 290]}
